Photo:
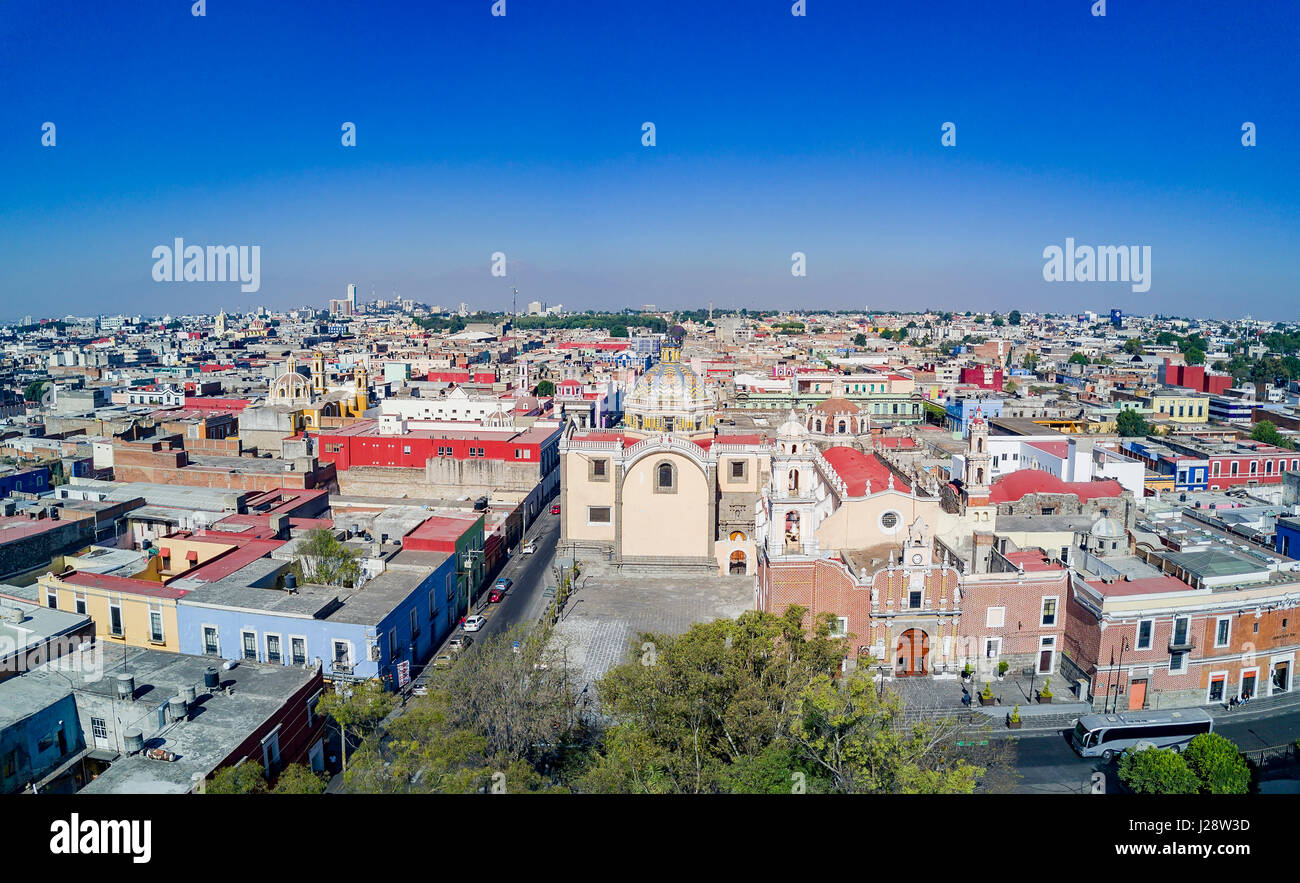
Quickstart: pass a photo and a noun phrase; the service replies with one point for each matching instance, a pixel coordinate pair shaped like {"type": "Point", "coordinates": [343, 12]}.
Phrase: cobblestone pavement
{"type": "Point", "coordinates": [611, 609]}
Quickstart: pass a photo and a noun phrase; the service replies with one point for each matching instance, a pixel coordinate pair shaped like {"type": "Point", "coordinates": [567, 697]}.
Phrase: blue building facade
{"type": "Point", "coordinates": [29, 481]}
{"type": "Point", "coordinates": [400, 616]}
{"type": "Point", "coordinates": [960, 411]}
{"type": "Point", "coordinates": [35, 743]}
{"type": "Point", "coordinates": [1287, 539]}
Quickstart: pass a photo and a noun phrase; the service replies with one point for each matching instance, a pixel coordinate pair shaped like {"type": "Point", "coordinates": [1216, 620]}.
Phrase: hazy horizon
{"type": "Point", "coordinates": [775, 134]}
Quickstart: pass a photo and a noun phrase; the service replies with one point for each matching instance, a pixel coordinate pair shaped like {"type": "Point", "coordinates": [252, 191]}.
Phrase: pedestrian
{"type": "Point", "coordinates": [965, 698]}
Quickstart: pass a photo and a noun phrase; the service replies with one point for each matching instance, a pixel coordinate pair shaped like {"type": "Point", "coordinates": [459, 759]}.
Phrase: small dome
{"type": "Point", "coordinates": [1107, 528]}
{"type": "Point", "coordinates": [792, 428]}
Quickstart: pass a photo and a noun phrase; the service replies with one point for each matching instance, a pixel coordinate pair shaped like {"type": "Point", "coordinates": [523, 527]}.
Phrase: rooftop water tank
{"type": "Point", "coordinates": [177, 708]}
{"type": "Point", "coordinates": [211, 678]}
{"type": "Point", "coordinates": [125, 687]}
{"type": "Point", "coordinates": [134, 741]}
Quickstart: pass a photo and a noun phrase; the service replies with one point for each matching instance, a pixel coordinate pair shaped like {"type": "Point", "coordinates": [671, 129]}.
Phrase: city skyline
{"type": "Point", "coordinates": [775, 134]}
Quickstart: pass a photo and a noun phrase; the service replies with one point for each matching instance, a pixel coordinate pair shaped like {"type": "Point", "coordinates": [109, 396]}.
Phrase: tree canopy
{"type": "Point", "coordinates": [323, 560]}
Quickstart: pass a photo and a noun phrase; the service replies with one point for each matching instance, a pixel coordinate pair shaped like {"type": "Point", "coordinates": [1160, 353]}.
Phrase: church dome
{"type": "Point", "coordinates": [670, 396]}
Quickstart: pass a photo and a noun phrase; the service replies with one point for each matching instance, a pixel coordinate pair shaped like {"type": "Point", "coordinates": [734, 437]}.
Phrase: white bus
{"type": "Point", "coordinates": [1110, 734]}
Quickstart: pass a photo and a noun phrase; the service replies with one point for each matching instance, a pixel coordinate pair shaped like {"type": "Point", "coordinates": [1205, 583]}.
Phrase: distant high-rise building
{"type": "Point", "coordinates": [352, 298]}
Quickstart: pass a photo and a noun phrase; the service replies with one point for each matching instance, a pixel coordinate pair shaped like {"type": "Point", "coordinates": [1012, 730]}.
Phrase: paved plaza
{"type": "Point", "coordinates": [612, 608]}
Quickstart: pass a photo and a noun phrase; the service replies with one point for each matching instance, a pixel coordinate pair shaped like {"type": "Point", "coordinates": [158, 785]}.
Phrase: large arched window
{"type": "Point", "coordinates": [665, 478]}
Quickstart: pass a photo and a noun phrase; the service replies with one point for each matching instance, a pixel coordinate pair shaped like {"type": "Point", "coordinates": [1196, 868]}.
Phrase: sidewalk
{"type": "Point", "coordinates": [941, 696]}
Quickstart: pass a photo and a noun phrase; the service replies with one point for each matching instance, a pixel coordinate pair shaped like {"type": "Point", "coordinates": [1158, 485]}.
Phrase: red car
{"type": "Point", "coordinates": [555, 510]}
{"type": "Point", "coordinates": [495, 596]}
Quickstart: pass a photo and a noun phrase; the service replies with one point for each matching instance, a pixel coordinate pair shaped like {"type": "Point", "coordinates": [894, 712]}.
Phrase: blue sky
{"type": "Point", "coordinates": [776, 134]}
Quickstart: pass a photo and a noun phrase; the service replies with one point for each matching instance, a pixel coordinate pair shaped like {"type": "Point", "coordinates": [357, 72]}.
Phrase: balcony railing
{"type": "Point", "coordinates": [342, 668]}
{"type": "Point", "coordinates": [1181, 645]}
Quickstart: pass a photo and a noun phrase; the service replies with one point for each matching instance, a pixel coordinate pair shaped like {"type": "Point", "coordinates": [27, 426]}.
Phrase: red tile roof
{"type": "Point", "coordinates": [857, 468]}
{"type": "Point", "coordinates": [1016, 485]}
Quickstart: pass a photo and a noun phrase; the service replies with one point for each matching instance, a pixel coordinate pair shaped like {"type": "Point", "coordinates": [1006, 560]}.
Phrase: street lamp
{"type": "Point", "coordinates": [469, 574]}
{"type": "Point", "coordinates": [1119, 672]}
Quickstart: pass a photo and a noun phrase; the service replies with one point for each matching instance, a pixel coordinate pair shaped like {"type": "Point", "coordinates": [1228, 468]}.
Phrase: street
{"type": "Point", "coordinates": [524, 600]}
{"type": "Point", "coordinates": [530, 573]}
{"type": "Point", "coordinates": [1047, 764]}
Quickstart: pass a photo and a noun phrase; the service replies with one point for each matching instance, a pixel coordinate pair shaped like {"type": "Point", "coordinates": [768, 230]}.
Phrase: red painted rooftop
{"type": "Point", "coordinates": [1016, 485]}
{"type": "Point", "coordinates": [123, 584]}
{"type": "Point", "coordinates": [857, 468]}
{"type": "Point", "coordinates": [1032, 561]}
{"type": "Point", "coordinates": [1147, 585]}
{"type": "Point", "coordinates": [1055, 448]}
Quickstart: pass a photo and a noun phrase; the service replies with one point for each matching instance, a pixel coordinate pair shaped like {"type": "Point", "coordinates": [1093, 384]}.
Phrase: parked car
{"type": "Point", "coordinates": [443, 660]}
{"type": "Point", "coordinates": [555, 510]}
{"type": "Point", "coordinates": [474, 623]}
{"type": "Point", "coordinates": [504, 583]}
{"type": "Point", "coordinates": [495, 596]}
{"type": "Point", "coordinates": [529, 548]}
{"type": "Point", "coordinates": [459, 643]}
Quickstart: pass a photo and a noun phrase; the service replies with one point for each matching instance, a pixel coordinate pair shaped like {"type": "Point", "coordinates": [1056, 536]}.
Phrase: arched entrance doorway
{"type": "Point", "coordinates": [737, 565]}
{"type": "Point", "coordinates": [912, 650]}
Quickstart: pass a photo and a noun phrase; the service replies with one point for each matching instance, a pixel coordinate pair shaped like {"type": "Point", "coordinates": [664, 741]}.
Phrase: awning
{"type": "Point", "coordinates": [192, 555]}
{"type": "Point", "coordinates": [165, 552]}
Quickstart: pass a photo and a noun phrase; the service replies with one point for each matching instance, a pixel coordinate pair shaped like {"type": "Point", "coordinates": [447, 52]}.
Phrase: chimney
{"type": "Point", "coordinates": [280, 524]}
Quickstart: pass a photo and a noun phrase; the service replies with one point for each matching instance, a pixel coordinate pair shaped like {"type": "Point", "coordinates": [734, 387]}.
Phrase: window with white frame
{"type": "Point", "coordinates": [996, 617]}
{"type": "Point", "coordinates": [271, 753]}
{"type": "Point", "coordinates": [1177, 662]}
{"type": "Point", "coordinates": [1145, 629]}
{"type": "Point", "coordinates": [992, 648]}
{"type": "Point", "coordinates": [156, 627]}
{"type": "Point", "coordinates": [1049, 610]}
{"type": "Point", "coordinates": [211, 640]}
{"type": "Point", "coordinates": [250, 645]}
{"type": "Point", "coordinates": [840, 628]}
{"type": "Point", "coordinates": [298, 650]}
{"type": "Point", "coordinates": [1222, 631]}
{"type": "Point", "coordinates": [273, 652]}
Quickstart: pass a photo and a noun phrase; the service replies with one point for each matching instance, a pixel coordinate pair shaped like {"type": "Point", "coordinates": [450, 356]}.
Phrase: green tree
{"type": "Point", "coordinates": [1218, 764]}
{"type": "Point", "coordinates": [618, 331]}
{"type": "Point", "coordinates": [692, 705]}
{"type": "Point", "coordinates": [853, 731]}
{"type": "Point", "coordinates": [859, 340]}
{"type": "Point", "coordinates": [998, 322]}
{"type": "Point", "coordinates": [1030, 361]}
{"type": "Point", "coordinates": [1078, 359]}
{"type": "Point", "coordinates": [1014, 317]}
{"type": "Point", "coordinates": [357, 711]}
{"type": "Point", "coordinates": [1194, 356]}
{"type": "Point", "coordinates": [1267, 433]}
{"type": "Point", "coordinates": [1130, 424]}
{"type": "Point", "coordinates": [297, 778]}
{"type": "Point", "coordinates": [1157, 771]}
{"type": "Point", "coordinates": [243, 778]}
{"type": "Point", "coordinates": [1133, 346]}
{"type": "Point", "coordinates": [545, 388]}
{"type": "Point", "coordinates": [323, 560]}
{"type": "Point", "coordinates": [32, 392]}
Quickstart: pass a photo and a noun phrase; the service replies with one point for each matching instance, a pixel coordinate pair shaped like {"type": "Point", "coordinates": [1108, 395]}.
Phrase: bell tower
{"type": "Point", "coordinates": [318, 373]}
{"type": "Point", "coordinates": [979, 463]}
